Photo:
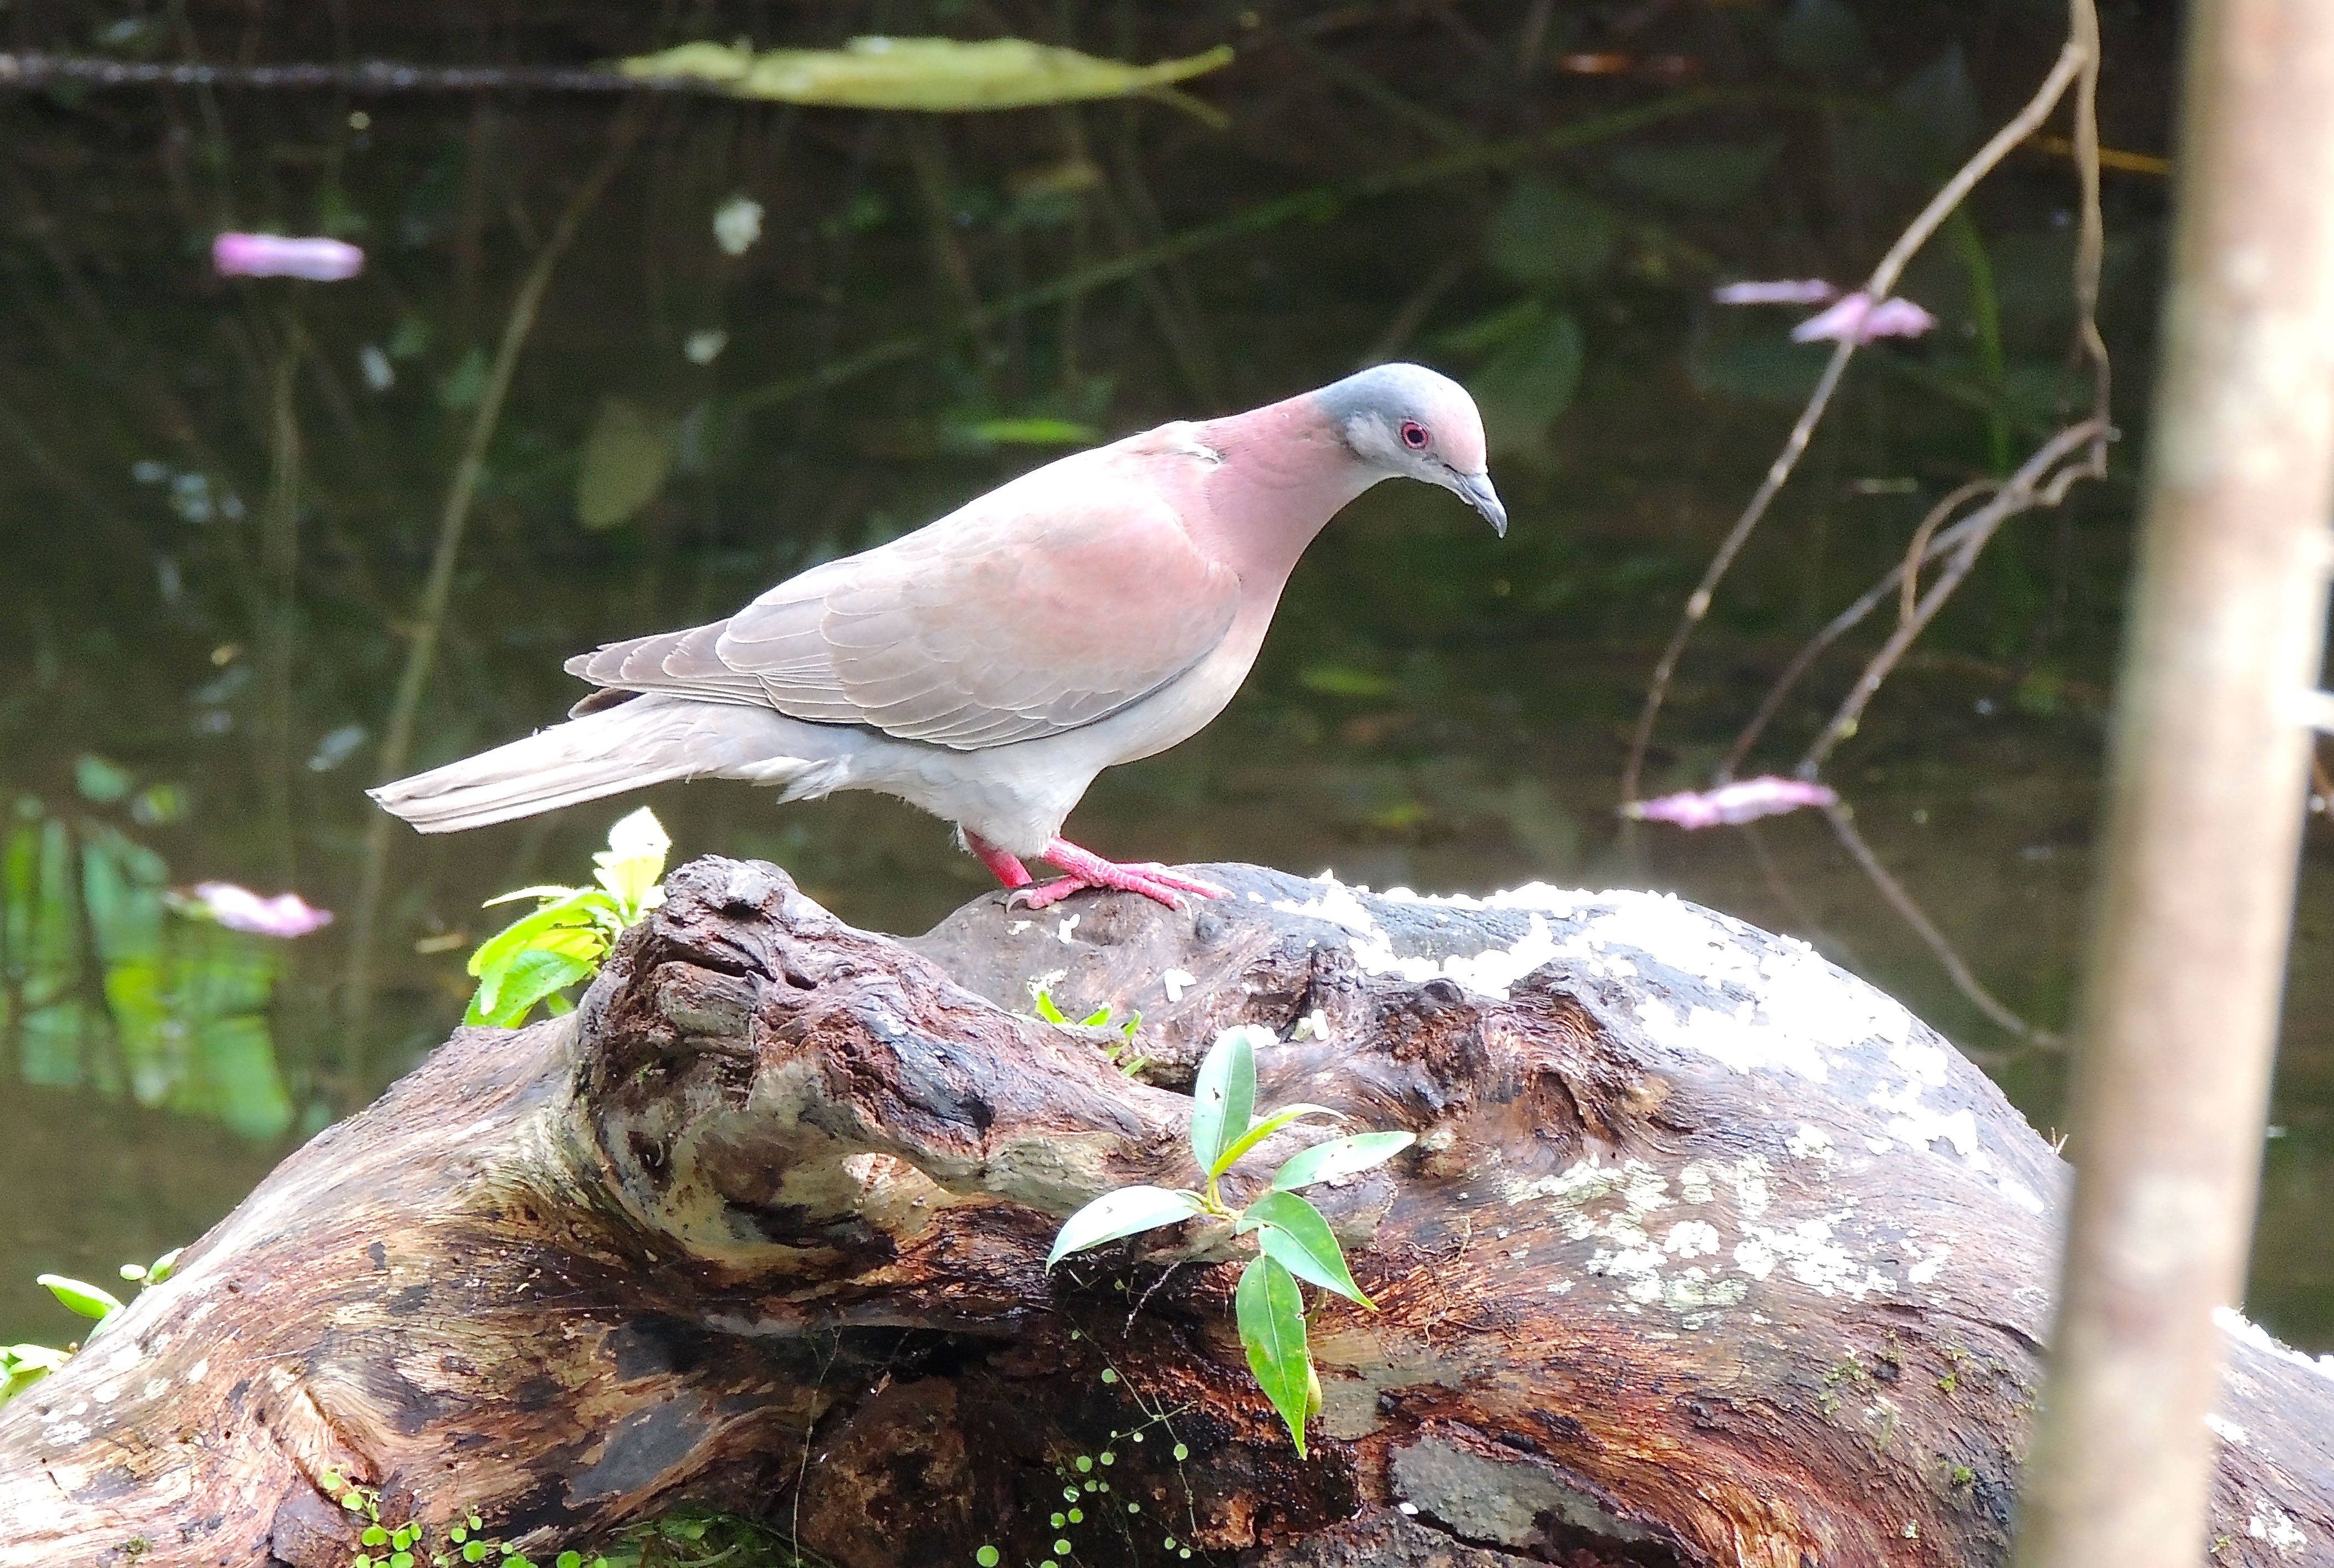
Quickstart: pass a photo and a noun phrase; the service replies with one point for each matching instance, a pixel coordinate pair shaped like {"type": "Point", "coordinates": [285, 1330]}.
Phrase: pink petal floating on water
{"type": "Point", "coordinates": [1855, 316]}
{"type": "Point", "coordinates": [241, 909]}
{"type": "Point", "coordinates": [1778, 292]}
{"type": "Point", "coordinates": [270, 255]}
{"type": "Point", "coordinates": [1747, 801]}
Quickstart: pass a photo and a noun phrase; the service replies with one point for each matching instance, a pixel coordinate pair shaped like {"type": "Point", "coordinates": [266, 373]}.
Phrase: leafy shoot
{"type": "Point", "coordinates": [1294, 1241]}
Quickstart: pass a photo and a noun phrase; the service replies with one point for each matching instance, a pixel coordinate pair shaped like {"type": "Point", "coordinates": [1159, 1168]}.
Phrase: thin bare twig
{"type": "Point", "coordinates": [2070, 67]}
{"type": "Point", "coordinates": [1965, 981]}
{"type": "Point", "coordinates": [1917, 553]}
{"type": "Point", "coordinates": [1840, 626]}
{"type": "Point", "coordinates": [437, 591]}
{"type": "Point", "coordinates": [2042, 481]}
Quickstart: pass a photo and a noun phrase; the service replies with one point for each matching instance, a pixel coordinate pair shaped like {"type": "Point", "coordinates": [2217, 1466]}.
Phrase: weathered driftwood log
{"type": "Point", "coordinates": [1708, 1254]}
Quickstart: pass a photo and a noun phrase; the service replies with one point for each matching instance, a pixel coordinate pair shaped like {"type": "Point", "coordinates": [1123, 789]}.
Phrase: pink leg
{"type": "Point", "coordinates": [1007, 869]}
{"type": "Point", "coordinates": [1088, 869]}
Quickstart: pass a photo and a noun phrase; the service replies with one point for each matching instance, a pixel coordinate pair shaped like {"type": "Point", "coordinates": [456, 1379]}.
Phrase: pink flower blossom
{"type": "Point", "coordinates": [241, 909]}
{"type": "Point", "coordinates": [1855, 316]}
{"type": "Point", "coordinates": [268, 256]}
{"type": "Point", "coordinates": [1746, 801]}
{"type": "Point", "coordinates": [1780, 292]}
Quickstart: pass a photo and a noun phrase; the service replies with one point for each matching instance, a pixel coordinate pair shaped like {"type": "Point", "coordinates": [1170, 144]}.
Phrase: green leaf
{"type": "Point", "coordinates": [1823, 39]}
{"type": "Point", "coordinates": [1263, 1130]}
{"type": "Point", "coordinates": [1339, 1157]}
{"type": "Point", "coordinates": [528, 978]}
{"type": "Point", "coordinates": [1043, 1003]}
{"type": "Point", "coordinates": [374, 1536]}
{"type": "Point", "coordinates": [569, 1560]}
{"type": "Point", "coordinates": [163, 1266]}
{"type": "Point", "coordinates": [1528, 382]}
{"type": "Point", "coordinates": [1098, 1017]}
{"type": "Point", "coordinates": [933, 74]}
{"type": "Point", "coordinates": [1710, 175]}
{"type": "Point", "coordinates": [573, 908]}
{"type": "Point", "coordinates": [1293, 1234]}
{"type": "Point", "coordinates": [1126, 1212]}
{"type": "Point", "coordinates": [632, 863]}
{"type": "Point", "coordinates": [1941, 101]}
{"type": "Point", "coordinates": [1544, 233]}
{"type": "Point", "coordinates": [1224, 1095]}
{"type": "Point", "coordinates": [624, 463]}
{"type": "Point", "coordinates": [1271, 1310]}
{"type": "Point", "coordinates": [78, 1295]}
{"type": "Point", "coordinates": [99, 780]}
{"type": "Point", "coordinates": [549, 891]}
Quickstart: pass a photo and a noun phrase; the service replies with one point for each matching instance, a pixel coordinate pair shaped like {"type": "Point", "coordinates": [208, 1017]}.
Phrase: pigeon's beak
{"type": "Point", "coordinates": [1476, 488]}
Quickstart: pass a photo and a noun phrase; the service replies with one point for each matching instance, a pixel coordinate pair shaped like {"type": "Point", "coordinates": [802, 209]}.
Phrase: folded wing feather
{"type": "Point", "coordinates": [1001, 622]}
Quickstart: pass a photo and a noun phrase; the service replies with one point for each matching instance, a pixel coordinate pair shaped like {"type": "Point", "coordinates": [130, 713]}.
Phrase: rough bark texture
{"type": "Point", "coordinates": [1708, 1255]}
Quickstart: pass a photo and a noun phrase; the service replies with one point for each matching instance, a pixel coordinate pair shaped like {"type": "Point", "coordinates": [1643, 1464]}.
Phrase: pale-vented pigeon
{"type": "Point", "coordinates": [988, 665]}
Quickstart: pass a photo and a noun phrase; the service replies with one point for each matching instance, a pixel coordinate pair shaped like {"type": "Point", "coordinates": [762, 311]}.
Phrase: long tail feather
{"type": "Point", "coordinates": [629, 746]}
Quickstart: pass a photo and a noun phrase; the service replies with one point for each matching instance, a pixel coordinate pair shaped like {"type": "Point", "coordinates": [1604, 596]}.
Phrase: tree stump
{"type": "Point", "coordinates": [1707, 1253]}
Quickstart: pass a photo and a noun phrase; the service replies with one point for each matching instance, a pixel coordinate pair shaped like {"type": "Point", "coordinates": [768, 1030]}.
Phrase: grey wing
{"type": "Point", "coordinates": [981, 630]}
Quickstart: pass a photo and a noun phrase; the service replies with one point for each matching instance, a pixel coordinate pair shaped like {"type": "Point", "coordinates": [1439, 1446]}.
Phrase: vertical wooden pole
{"type": "Point", "coordinates": [2206, 784]}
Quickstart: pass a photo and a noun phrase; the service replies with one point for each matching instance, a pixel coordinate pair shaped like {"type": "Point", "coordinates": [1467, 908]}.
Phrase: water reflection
{"type": "Point", "coordinates": [103, 988]}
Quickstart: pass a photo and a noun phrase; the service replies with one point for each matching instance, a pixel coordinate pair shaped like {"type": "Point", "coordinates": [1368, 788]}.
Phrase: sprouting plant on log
{"type": "Point", "coordinates": [387, 1545]}
{"type": "Point", "coordinates": [1294, 1241]}
{"type": "Point", "coordinates": [1124, 1056]}
{"type": "Point", "coordinates": [538, 956]}
{"type": "Point", "coordinates": [22, 1366]}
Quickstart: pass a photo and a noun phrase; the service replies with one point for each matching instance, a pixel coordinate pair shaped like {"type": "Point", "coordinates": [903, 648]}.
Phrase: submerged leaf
{"type": "Point", "coordinates": [1528, 382]}
{"type": "Point", "coordinates": [933, 74]}
{"type": "Point", "coordinates": [625, 460]}
{"type": "Point", "coordinates": [1706, 174]}
{"type": "Point", "coordinates": [1129, 1211]}
{"type": "Point", "coordinates": [1271, 1310]}
{"type": "Point", "coordinates": [1544, 234]}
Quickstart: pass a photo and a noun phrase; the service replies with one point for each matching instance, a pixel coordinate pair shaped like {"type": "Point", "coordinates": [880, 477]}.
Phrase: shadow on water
{"type": "Point", "coordinates": [223, 497]}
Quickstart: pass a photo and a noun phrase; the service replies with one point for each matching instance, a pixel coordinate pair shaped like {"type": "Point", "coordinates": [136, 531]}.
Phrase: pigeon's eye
{"type": "Point", "coordinates": [1413, 434]}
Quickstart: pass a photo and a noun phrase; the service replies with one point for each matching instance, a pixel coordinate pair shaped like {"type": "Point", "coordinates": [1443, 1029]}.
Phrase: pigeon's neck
{"type": "Point", "coordinates": [1282, 472]}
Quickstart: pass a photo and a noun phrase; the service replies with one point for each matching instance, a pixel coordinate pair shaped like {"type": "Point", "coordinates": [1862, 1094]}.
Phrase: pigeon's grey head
{"type": "Point", "coordinates": [1410, 422]}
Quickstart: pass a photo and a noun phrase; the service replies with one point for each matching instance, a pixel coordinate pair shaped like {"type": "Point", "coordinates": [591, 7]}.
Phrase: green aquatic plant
{"type": "Point", "coordinates": [538, 956]}
{"type": "Point", "coordinates": [1294, 1241]}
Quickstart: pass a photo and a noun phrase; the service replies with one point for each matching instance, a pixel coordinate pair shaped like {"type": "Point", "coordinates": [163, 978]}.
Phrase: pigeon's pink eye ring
{"type": "Point", "coordinates": [1413, 434]}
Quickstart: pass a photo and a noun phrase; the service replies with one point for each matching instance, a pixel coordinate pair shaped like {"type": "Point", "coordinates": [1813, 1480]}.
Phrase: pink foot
{"type": "Point", "coordinates": [1007, 869]}
{"type": "Point", "coordinates": [1088, 869]}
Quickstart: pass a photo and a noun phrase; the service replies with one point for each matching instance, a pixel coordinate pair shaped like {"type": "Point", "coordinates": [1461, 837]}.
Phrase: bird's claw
{"type": "Point", "coordinates": [1147, 878]}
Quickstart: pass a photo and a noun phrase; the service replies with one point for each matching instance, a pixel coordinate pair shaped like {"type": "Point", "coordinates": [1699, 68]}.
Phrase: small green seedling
{"type": "Point", "coordinates": [22, 1366]}
{"type": "Point", "coordinates": [1122, 1057]}
{"type": "Point", "coordinates": [536, 957]}
{"type": "Point", "coordinates": [1294, 1241]}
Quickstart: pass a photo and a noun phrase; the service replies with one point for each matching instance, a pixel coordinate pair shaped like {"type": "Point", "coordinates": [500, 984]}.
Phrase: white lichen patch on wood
{"type": "Point", "coordinates": [2226, 1430]}
{"type": "Point", "coordinates": [2272, 1524]}
{"type": "Point", "coordinates": [2238, 1326]}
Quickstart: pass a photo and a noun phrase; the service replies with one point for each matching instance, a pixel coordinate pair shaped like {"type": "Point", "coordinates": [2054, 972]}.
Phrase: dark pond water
{"type": "Point", "coordinates": [219, 500]}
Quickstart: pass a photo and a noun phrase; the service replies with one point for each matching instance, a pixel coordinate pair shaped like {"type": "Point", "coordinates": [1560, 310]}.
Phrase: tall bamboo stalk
{"type": "Point", "coordinates": [2206, 784]}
